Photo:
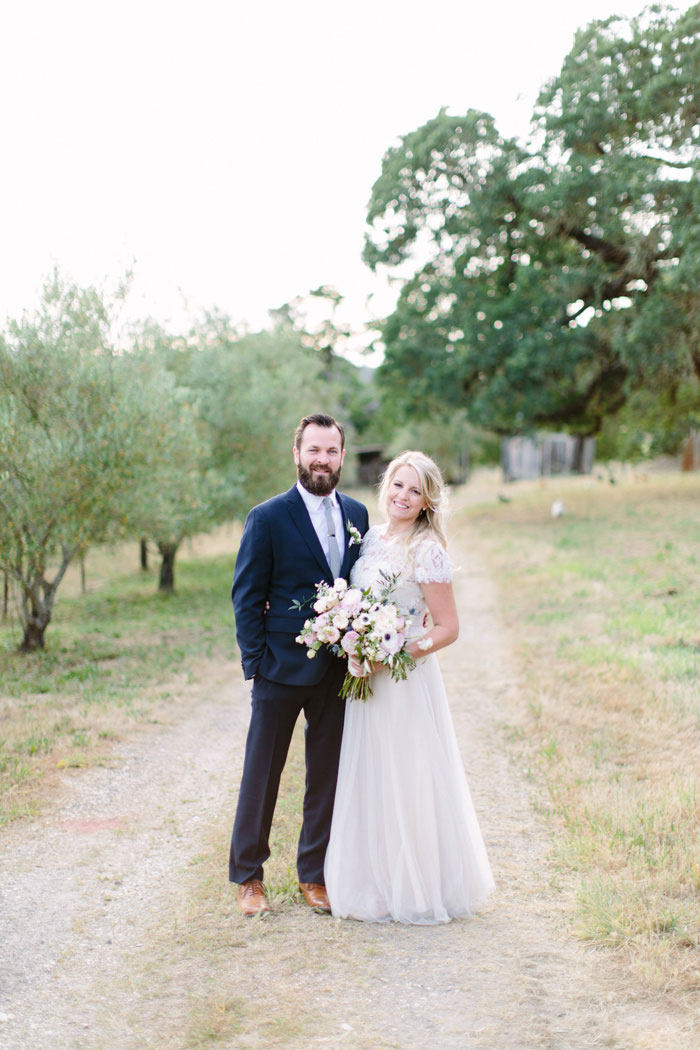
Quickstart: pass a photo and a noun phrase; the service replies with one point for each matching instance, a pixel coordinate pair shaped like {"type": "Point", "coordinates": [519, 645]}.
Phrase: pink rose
{"type": "Point", "coordinates": [349, 641]}
{"type": "Point", "coordinates": [352, 600]}
{"type": "Point", "coordinates": [328, 634]}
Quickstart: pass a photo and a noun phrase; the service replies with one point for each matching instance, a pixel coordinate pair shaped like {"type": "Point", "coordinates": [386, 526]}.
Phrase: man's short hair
{"type": "Point", "coordinates": [320, 420]}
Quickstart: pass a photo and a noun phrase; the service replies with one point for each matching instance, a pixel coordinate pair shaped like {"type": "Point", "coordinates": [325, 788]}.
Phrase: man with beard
{"type": "Point", "coordinates": [289, 544]}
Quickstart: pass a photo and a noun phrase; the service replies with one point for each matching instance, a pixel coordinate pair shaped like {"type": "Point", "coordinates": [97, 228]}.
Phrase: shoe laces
{"type": "Point", "coordinates": [251, 887]}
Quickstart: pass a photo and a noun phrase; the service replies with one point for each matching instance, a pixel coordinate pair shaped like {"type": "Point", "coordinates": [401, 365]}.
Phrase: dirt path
{"type": "Point", "coordinates": [117, 928]}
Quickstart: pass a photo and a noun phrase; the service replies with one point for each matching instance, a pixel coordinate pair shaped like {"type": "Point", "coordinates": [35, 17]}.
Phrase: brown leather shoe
{"type": "Point", "coordinates": [315, 896]}
{"type": "Point", "coordinates": [251, 898]}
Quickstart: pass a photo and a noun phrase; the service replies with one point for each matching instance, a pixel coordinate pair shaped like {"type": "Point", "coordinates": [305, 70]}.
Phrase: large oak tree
{"type": "Point", "coordinates": [543, 283]}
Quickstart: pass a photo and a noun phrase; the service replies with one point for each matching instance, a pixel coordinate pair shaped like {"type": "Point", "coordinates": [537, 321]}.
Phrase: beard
{"type": "Point", "coordinates": [318, 484]}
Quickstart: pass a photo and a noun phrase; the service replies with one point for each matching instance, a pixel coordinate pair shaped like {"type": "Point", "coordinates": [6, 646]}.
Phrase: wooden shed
{"type": "Point", "coordinates": [536, 457]}
{"type": "Point", "coordinates": [371, 464]}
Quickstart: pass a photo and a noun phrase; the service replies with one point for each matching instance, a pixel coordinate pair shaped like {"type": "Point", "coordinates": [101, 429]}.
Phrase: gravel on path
{"type": "Point", "coordinates": [99, 944]}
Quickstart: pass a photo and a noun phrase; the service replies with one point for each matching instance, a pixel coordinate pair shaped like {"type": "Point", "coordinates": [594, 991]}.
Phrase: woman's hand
{"type": "Point", "coordinates": [357, 667]}
{"type": "Point", "coordinates": [420, 647]}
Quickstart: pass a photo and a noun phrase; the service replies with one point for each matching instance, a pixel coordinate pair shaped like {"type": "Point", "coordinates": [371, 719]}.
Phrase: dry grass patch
{"type": "Point", "coordinates": [112, 657]}
{"type": "Point", "coordinates": [604, 605]}
{"type": "Point", "coordinates": [212, 1021]}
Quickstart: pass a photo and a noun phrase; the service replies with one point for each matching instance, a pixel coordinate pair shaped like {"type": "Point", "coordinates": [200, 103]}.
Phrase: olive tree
{"type": "Point", "coordinates": [250, 391]}
{"type": "Point", "coordinates": [80, 435]}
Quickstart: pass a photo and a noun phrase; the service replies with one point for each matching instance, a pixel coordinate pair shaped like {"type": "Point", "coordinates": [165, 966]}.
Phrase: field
{"type": "Point", "coordinates": [111, 657]}
{"type": "Point", "coordinates": [603, 604]}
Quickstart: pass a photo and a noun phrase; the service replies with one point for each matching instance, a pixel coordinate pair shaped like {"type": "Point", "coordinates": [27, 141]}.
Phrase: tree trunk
{"type": "Point", "coordinates": [36, 606]}
{"type": "Point", "coordinates": [695, 358]}
{"type": "Point", "coordinates": [166, 582]}
{"type": "Point", "coordinates": [5, 594]}
{"type": "Point", "coordinates": [35, 616]}
{"type": "Point", "coordinates": [33, 636]}
{"type": "Point", "coordinates": [144, 555]}
{"type": "Point", "coordinates": [577, 456]}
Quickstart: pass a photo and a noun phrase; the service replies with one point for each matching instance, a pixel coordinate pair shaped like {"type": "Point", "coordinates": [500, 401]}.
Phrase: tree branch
{"type": "Point", "coordinates": [608, 251]}
{"type": "Point", "coordinates": [681, 165]}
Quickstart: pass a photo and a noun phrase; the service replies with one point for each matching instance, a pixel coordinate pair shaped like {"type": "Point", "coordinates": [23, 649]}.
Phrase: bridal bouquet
{"type": "Point", "coordinates": [360, 623]}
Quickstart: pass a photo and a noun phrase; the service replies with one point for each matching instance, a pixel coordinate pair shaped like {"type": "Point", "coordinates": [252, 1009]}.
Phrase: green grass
{"type": "Point", "coordinates": [106, 653]}
{"type": "Point", "coordinates": [126, 633]}
{"type": "Point", "coordinates": [604, 605]}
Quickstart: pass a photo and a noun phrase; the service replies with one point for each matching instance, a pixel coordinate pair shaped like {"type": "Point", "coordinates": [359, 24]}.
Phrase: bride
{"type": "Point", "coordinates": [405, 843]}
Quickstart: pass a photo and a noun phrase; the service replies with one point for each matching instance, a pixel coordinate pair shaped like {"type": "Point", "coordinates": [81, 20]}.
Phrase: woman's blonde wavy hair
{"type": "Point", "coordinates": [433, 490]}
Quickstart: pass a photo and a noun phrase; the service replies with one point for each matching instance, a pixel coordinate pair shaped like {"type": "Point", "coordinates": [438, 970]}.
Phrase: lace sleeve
{"type": "Point", "coordinates": [432, 563]}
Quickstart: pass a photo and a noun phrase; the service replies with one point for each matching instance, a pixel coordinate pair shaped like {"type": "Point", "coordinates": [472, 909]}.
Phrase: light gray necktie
{"type": "Point", "coordinates": [332, 542]}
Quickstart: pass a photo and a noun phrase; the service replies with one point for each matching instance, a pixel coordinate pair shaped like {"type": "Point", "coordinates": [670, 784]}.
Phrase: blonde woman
{"type": "Point", "coordinates": [405, 843]}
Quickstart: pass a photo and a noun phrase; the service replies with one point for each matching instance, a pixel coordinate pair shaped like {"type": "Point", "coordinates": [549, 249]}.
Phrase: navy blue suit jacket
{"type": "Point", "coordinates": [280, 559]}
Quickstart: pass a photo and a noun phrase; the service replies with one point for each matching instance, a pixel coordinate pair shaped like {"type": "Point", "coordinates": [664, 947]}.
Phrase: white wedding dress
{"type": "Point", "coordinates": [405, 843]}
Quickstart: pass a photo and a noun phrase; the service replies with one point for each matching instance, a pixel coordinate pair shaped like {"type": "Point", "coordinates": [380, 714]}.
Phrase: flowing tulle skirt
{"type": "Point", "coordinates": [405, 842]}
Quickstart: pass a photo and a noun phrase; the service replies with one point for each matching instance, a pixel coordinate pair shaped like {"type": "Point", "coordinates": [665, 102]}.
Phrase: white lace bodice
{"type": "Point", "coordinates": [427, 563]}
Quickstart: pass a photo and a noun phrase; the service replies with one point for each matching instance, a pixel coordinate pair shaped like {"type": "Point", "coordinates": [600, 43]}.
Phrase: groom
{"type": "Point", "coordinates": [290, 543]}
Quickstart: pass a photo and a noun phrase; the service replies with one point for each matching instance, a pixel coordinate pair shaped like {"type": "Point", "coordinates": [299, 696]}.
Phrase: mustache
{"type": "Point", "coordinates": [318, 478]}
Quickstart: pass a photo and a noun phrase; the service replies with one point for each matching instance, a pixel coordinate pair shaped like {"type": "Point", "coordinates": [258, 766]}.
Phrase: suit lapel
{"type": "Point", "coordinates": [300, 517]}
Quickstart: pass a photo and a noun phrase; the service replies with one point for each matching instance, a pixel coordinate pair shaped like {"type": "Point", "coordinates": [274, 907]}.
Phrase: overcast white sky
{"type": "Point", "coordinates": [229, 149]}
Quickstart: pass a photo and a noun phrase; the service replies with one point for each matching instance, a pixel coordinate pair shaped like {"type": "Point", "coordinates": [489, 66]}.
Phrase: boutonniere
{"type": "Point", "coordinates": [353, 533]}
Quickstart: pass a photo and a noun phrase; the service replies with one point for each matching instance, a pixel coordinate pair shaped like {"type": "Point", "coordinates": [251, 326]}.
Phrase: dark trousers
{"type": "Point", "coordinates": [275, 709]}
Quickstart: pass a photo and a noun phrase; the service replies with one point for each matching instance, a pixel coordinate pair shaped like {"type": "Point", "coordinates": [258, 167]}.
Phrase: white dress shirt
{"type": "Point", "coordinates": [314, 505]}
